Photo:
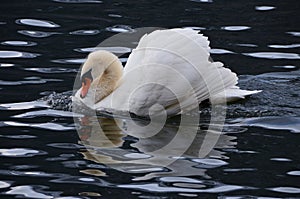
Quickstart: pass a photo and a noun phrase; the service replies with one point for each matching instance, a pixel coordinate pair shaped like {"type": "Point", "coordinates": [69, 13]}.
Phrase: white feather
{"type": "Point", "coordinates": [171, 68]}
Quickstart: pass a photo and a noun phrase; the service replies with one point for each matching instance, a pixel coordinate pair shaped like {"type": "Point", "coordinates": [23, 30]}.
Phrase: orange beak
{"type": "Point", "coordinates": [85, 87]}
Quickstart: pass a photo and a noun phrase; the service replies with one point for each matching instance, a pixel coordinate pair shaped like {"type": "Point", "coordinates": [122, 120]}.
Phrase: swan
{"type": "Point", "coordinates": [169, 70]}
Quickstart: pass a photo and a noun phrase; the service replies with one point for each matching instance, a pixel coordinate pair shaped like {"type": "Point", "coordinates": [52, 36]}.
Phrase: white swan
{"type": "Point", "coordinates": [169, 69]}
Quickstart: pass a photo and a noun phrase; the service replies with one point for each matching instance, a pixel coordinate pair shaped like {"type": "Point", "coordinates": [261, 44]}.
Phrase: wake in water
{"type": "Point", "coordinates": [59, 101]}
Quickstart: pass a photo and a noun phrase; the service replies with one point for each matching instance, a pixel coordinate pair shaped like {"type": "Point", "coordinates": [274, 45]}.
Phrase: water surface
{"type": "Point", "coordinates": [42, 154]}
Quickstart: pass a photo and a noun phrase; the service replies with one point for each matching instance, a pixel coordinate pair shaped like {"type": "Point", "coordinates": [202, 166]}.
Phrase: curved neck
{"type": "Point", "coordinates": [108, 80]}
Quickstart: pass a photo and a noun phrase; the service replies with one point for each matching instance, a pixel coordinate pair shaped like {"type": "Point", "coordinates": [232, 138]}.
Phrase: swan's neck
{"type": "Point", "coordinates": [107, 82]}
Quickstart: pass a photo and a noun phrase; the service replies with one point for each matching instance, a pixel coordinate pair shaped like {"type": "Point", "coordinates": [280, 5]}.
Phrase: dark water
{"type": "Point", "coordinates": [44, 156]}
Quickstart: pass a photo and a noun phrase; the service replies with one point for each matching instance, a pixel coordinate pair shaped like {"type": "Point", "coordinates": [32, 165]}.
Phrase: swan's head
{"type": "Point", "coordinates": [96, 64]}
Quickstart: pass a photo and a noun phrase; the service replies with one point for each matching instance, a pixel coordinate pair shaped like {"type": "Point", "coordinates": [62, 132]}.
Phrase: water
{"type": "Point", "coordinates": [42, 154]}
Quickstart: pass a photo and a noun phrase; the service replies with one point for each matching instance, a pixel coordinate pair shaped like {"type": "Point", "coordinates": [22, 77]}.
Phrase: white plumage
{"type": "Point", "coordinates": [169, 70]}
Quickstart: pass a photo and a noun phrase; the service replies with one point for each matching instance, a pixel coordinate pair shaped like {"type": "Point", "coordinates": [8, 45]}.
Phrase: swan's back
{"type": "Point", "coordinates": [171, 68]}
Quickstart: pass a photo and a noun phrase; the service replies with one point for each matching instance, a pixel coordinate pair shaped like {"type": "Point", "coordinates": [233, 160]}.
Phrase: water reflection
{"type": "Point", "coordinates": [286, 67]}
{"type": "Point", "coordinates": [278, 123]}
{"type": "Point", "coordinates": [48, 125]}
{"type": "Point", "coordinates": [236, 28]}
{"type": "Point", "coordinates": [120, 29]}
{"type": "Point", "coordinates": [285, 46]}
{"type": "Point", "coordinates": [6, 65]}
{"type": "Point", "coordinates": [273, 55]}
{"type": "Point", "coordinates": [18, 43]}
{"type": "Point", "coordinates": [296, 34]}
{"type": "Point", "coordinates": [285, 189]}
{"type": "Point", "coordinates": [117, 49]}
{"type": "Point", "coordinates": [85, 32]}
{"type": "Point", "coordinates": [264, 8]}
{"type": "Point", "coordinates": [37, 34]}
{"type": "Point", "coordinates": [17, 54]}
{"type": "Point", "coordinates": [36, 22]}
{"type": "Point", "coordinates": [20, 152]}
{"type": "Point", "coordinates": [294, 173]}
{"type": "Point", "coordinates": [220, 51]}
{"type": "Point", "coordinates": [28, 191]}
{"type": "Point", "coordinates": [4, 184]}
{"type": "Point", "coordinates": [166, 153]}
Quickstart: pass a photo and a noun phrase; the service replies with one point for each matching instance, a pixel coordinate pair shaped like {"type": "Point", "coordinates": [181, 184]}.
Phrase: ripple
{"type": "Point", "coordinates": [27, 191]}
{"type": "Point", "coordinates": [86, 179]}
{"type": "Point", "coordinates": [294, 173]}
{"type": "Point", "coordinates": [285, 46]}
{"type": "Point", "coordinates": [239, 151]}
{"type": "Point", "coordinates": [32, 173]}
{"type": "Point", "coordinates": [20, 152]}
{"type": "Point", "coordinates": [47, 125]}
{"type": "Point", "coordinates": [24, 105]}
{"type": "Point", "coordinates": [247, 45]}
{"type": "Point", "coordinates": [296, 34]}
{"type": "Point", "coordinates": [277, 123]}
{"type": "Point", "coordinates": [4, 184]}
{"type": "Point", "coordinates": [120, 29]}
{"type": "Point", "coordinates": [281, 159]}
{"type": "Point", "coordinates": [17, 54]}
{"type": "Point", "coordinates": [285, 189]}
{"type": "Point", "coordinates": [286, 67]}
{"type": "Point", "coordinates": [115, 15]}
{"type": "Point", "coordinates": [22, 167]}
{"type": "Point", "coordinates": [137, 156]}
{"type": "Point", "coordinates": [77, 1]}
{"type": "Point", "coordinates": [18, 136]}
{"type": "Point", "coordinates": [220, 51]}
{"type": "Point", "coordinates": [28, 81]}
{"type": "Point", "coordinates": [48, 112]}
{"type": "Point", "coordinates": [273, 55]}
{"type": "Point", "coordinates": [123, 60]}
{"type": "Point", "coordinates": [264, 8]}
{"type": "Point", "coordinates": [37, 34]}
{"type": "Point", "coordinates": [53, 70]}
{"type": "Point", "coordinates": [117, 49]}
{"type": "Point", "coordinates": [19, 43]}
{"type": "Point", "coordinates": [153, 187]}
{"type": "Point", "coordinates": [194, 28]}
{"type": "Point", "coordinates": [145, 170]}
{"type": "Point", "coordinates": [235, 28]}
{"type": "Point", "coordinates": [210, 163]}
{"type": "Point", "coordinates": [66, 145]}
{"type": "Point", "coordinates": [6, 65]}
{"type": "Point", "coordinates": [179, 179]}
{"type": "Point", "coordinates": [37, 22]}
{"type": "Point", "coordinates": [71, 164]}
{"type": "Point", "coordinates": [69, 61]}
{"type": "Point", "coordinates": [240, 169]}
{"type": "Point", "coordinates": [85, 32]}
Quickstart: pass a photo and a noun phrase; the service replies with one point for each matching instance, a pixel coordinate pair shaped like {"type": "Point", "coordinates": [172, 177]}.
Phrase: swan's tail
{"type": "Point", "coordinates": [232, 94]}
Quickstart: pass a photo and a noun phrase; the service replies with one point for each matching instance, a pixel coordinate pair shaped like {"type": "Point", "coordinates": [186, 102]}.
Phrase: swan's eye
{"type": "Point", "coordinates": [87, 75]}
{"type": "Point", "coordinates": [84, 81]}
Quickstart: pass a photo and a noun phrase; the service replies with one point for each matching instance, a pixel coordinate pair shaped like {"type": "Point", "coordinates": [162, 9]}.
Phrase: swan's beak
{"type": "Point", "coordinates": [86, 83]}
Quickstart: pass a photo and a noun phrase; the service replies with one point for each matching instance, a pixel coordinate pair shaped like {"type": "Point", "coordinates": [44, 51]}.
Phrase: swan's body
{"type": "Point", "coordinates": [168, 68]}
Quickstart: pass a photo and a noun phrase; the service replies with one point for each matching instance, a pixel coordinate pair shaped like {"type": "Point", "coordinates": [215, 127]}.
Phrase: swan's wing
{"type": "Point", "coordinates": [170, 68]}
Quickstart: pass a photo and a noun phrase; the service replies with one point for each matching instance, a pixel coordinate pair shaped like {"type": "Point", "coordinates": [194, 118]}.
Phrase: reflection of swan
{"type": "Point", "coordinates": [171, 68]}
{"type": "Point", "coordinates": [153, 155]}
